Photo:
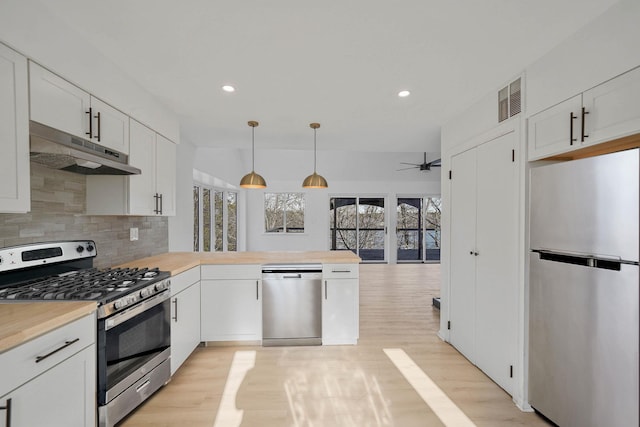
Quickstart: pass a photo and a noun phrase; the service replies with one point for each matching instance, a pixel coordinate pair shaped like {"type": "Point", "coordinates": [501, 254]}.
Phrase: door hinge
{"type": "Point", "coordinates": [448, 324]}
{"type": "Point", "coordinates": [513, 155]}
{"type": "Point", "coordinates": [510, 371]}
{"type": "Point", "coordinates": [449, 174]}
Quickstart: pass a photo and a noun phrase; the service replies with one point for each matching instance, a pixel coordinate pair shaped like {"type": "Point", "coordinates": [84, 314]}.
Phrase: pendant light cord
{"type": "Point", "coordinates": [253, 149]}
{"type": "Point", "coordinates": [314, 151]}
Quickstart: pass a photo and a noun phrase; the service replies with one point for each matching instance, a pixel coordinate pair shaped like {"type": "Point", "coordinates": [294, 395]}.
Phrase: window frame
{"type": "Point", "coordinates": [285, 228]}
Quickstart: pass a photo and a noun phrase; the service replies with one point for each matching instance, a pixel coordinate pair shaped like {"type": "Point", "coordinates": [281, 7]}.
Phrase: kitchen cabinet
{"type": "Point", "coordinates": [51, 380]}
{"type": "Point", "coordinates": [185, 316]}
{"type": "Point", "coordinates": [340, 304]}
{"type": "Point", "coordinates": [484, 256]}
{"type": "Point", "coordinates": [606, 112]}
{"type": "Point", "coordinates": [57, 103]}
{"type": "Point", "coordinates": [15, 195]}
{"type": "Point", "coordinates": [153, 192]}
{"type": "Point", "coordinates": [231, 303]}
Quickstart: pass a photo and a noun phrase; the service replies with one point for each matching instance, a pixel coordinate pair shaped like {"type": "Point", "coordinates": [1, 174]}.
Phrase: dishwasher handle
{"type": "Point", "coordinates": [292, 276]}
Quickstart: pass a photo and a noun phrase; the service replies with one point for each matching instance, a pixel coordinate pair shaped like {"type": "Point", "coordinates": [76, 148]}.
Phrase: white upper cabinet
{"type": "Point", "coordinates": [151, 193]}
{"type": "Point", "coordinates": [57, 103]}
{"type": "Point", "coordinates": [606, 112]}
{"type": "Point", "coordinates": [14, 132]}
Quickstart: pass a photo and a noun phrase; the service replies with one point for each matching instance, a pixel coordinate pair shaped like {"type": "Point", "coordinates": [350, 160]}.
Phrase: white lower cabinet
{"type": "Point", "coordinates": [231, 303]}
{"type": "Point", "coordinates": [185, 316]}
{"type": "Point", "coordinates": [340, 304]}
{"type": "Point", "coordinates": [61, 392]}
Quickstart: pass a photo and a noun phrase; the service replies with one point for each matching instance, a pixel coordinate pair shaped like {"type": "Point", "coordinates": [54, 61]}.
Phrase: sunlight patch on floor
{"type": "Point", "coordinates": [438, 401]}
{"type": "Point", "coordinates": [228, 415]}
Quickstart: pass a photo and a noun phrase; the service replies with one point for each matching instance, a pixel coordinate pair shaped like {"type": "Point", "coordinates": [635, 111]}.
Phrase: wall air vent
{"type": "Point", "coordinates": [510, 100]}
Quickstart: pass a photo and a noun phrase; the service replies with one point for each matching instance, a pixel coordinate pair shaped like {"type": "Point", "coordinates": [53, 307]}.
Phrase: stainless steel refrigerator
{"type": "Point", "coordinates": [583, 291]}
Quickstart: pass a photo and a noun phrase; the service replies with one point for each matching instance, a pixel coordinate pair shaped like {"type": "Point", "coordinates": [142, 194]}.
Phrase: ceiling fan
{"type": "Point", "coordinates": [424, 166]}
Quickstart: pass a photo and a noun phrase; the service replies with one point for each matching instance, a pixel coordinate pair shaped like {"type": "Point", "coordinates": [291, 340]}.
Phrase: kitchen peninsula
{"type": "Point", "coordinates": [216, 298]}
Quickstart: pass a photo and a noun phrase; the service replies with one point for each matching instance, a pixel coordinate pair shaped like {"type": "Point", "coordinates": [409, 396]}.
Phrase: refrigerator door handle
{"type": "Point", "coordinates": [606, 263]}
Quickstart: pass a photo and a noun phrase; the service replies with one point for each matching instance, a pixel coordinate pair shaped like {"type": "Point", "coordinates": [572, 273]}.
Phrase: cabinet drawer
{"type": "Point", "coordinates": [182, 281]}
{"type": "Point", "coordinates": [340, 271]}
{"type": "Point", "coordinates": [241, 271]}
{"type": "Point", "coordinates": [32, 358]}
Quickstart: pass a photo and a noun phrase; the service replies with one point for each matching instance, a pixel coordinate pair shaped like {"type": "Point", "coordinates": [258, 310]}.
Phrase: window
{"type": "Point", "coordinates": [284, 212]}
{"type": "Point", "coordinates": [418, 229]}
{"type": "Point", "coordinates": [215, 215]}
{"type": "Point", "coordinates": [357, 224]}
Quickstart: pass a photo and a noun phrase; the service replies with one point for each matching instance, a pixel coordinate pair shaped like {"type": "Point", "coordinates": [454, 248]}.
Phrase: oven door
{"type": "Point", "coordinates": [132, 343]}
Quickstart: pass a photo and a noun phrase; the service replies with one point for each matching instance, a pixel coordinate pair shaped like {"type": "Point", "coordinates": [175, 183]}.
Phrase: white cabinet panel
{"type": "Point", "coordinates": [463, 248]}
{"type": "Point", "coordinates": [340, 312]}
{"type": "Point", "coordinates": [14, 133]}
{"type": "Point", "coordinates": [64, 396]}
{"type": "Point", "coordinates": [57, 103]}
{"type": "Point", "coordinates": [142, 155]}
{"type": "Point", "coordinates": [496, 293]}
{"type": "Point", "coordinates": [614, 108]}
{"type": "Point", "coordinates": [110, 126]}
{"type": "Point", "coordinates": [484, 256]}
{"type": "Point", "coordinates": [185, 324]}
{"type": "Point", "coordinates": [231, 310]}
{"type": "Point", "coordinates": [555, 130]}
{"type": "Point", "coordinates": [166, 175]}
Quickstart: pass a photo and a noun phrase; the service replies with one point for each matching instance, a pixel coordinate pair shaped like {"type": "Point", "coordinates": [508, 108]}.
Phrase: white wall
{"type": "Point", "coordinates": [181, 225]}
{"type": "Point", "coordinates": [26, 25]}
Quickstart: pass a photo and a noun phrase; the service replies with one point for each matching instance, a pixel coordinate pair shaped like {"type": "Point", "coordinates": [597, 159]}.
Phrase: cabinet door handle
{"type": "Point", "coordinates": [160, 203]}
{"type": "Point", "coordinates": [62, 347]}
{"type": "Point", "coordinates": [572, 117]}
{"type": "Point", "coordinates": [90, 113]}
{"type": "Point", "coordinates": [325, 289]}
{"type": "Point", "coordinates": [175, 309]}
{"type": "Point", "coordinates": [257, 291]}
{"type": "Point", "coordinates": [7, 416]}
{"type": "Point", "coordinates": [98, 134]}
{"type": "Point", "coordinates": [156, 210]}
{"type": "Point", "coordinates": [584, 113]}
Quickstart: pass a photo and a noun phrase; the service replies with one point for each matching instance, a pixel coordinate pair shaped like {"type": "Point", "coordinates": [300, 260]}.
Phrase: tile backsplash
{"type": "Point", "coordinates": [57, 206]}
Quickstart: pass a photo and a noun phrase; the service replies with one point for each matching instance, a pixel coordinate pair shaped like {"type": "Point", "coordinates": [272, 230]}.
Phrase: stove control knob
{"type": "Point", "coordinates": [118, 304]}
{"type": "Point", "coordinates": [80, 249]}
{"type": "Point", "coordinates": [90, 247]}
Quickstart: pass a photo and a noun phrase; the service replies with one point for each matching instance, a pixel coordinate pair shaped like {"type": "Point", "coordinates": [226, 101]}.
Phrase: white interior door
{"type": "Point", "coordinates": [497, 260]}
{"type": "Point", "coordinates": [463, 247]}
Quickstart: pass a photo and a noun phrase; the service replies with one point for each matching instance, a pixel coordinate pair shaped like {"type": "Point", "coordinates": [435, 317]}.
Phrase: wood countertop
{"type": "Point", "coordinates": [23, 321]}
{"type": "Point", "coordinates": [177, 262]}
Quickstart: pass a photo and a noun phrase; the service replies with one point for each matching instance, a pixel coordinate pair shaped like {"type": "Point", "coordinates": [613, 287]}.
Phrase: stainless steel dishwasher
{"type": "Point", "coordinates": [291, 304]}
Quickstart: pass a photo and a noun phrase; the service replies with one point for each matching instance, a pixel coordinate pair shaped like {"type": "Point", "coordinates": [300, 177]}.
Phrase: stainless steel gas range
{"type": "Point", "coordinates": [133, 327]}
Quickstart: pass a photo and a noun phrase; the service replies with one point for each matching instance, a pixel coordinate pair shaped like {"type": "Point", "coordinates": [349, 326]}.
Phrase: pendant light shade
{"type": "Point", "coordinates": [314, 180]}
{"type": "Point", "coordinates": [252, 179]}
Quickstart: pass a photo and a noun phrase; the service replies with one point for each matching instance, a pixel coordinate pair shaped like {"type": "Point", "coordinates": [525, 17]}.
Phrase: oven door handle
{"type": "Point", "coordinates": [113, 321]}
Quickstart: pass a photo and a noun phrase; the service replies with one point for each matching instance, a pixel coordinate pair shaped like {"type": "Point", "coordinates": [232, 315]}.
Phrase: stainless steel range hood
{"type": "Point", "coordinates": [59, 150]}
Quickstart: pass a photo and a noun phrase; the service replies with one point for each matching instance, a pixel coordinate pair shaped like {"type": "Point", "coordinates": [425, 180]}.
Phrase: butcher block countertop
{"type": "Point", "coordinates": [23, 321]}
{"type": "Point", "coordinates": [177, 262]}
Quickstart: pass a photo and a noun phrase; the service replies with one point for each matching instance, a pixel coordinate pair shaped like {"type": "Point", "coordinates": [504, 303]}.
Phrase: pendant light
{"type": "Point", "coordinates": [314, 180]}
{"type": "Point", "coordinates": [253, 180]}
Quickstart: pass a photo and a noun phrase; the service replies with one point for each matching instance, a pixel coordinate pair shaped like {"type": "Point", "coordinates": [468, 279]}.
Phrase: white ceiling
{"type": "Point", "coordinates": [340, 63]}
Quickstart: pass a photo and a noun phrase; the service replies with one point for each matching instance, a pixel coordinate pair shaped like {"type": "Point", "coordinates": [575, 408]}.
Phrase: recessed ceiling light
{"type": "Point", "coordinates": [404, 93]}
{"type": "Point", "coordinates": [228, 88]}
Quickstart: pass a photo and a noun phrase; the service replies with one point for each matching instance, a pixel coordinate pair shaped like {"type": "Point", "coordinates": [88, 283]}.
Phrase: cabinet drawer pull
{"type": "Point", "coordinates": [341, 271]}
{"type": "Point", "coordinates": [90, 113]}
{"type": "Point", "coordinates": [571, 119]}
{"type": "Point", "coordinates": [98, 134]}
{"type": "Point", "coordinates": [584, 113]}
{"type": "Point", "coordinates": [62, 347]}
{"type": "Point", "coordinates": [7, 416]}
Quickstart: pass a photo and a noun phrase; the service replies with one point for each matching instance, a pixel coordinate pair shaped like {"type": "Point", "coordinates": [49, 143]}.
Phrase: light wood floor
{"type": "Point", "coordinates": [352, 386]}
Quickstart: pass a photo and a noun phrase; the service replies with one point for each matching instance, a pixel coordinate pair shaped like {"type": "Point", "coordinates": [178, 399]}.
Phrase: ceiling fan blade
{"type": "Point", "coordinates": [412, 164]}
{"type": "Point", "coordinates": [405, 169]}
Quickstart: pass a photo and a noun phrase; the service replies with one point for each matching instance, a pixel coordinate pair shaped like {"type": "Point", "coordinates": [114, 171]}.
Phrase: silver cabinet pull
{"type": "Point", "coordinates": [175, 307]}
{"type": "Point", "coordinates": [7, 416]}
{"type": "Point", "coordinates": [341, 271]}
{"type": "Point", "coordinates": [325, 289]}
{"type": "Point", "coordinates": [62, 347]}
{"type": "Point", "coordinates": [257, 291]}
